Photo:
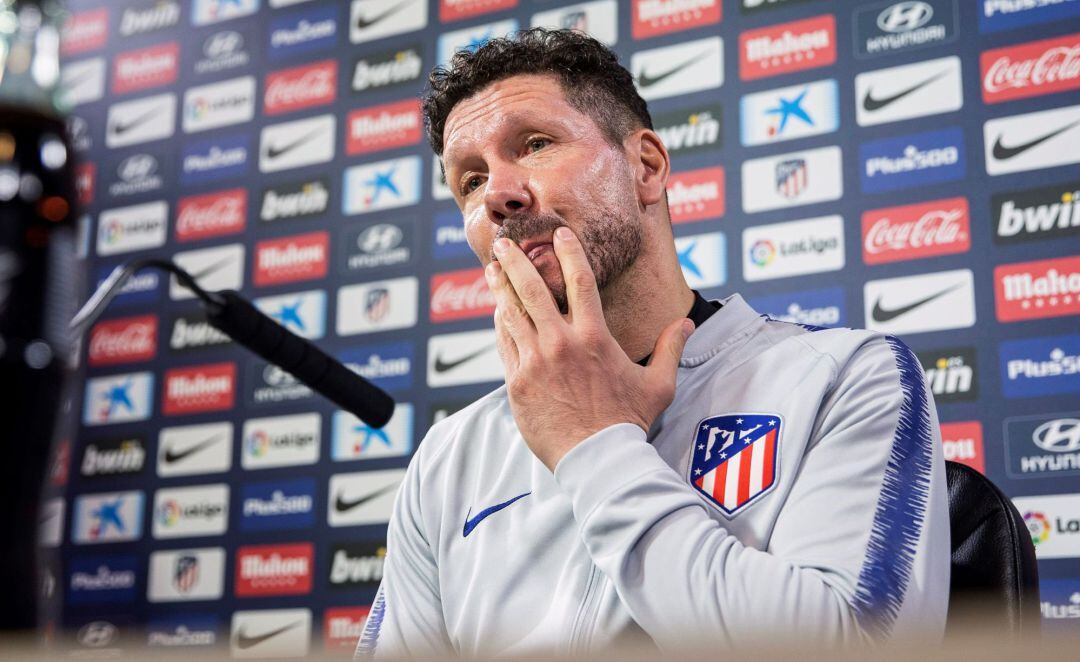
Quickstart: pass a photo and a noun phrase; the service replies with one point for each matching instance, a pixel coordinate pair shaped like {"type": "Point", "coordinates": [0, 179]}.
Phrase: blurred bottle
{"type": "Point", "coordinates": [38, 280]}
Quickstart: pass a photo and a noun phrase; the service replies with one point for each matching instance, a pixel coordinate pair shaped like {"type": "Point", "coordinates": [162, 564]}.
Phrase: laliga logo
{"type": "Point", "coordinates": [258, 443]}
{"type": "Point", "coordinates": [1038, 526]}
{"type": "Point", "coordinates": [905, 17]}
{"type": "Point", "coordinates": [762, 253]}
{"type": "Point", "coordinates": [169, 513]}
{"type": "Point", "coordinates": [114, 231]}
{"type": "Point", "coordinates": [1060, 436]}
{"type": "Point", "coordinates": [199, 109]}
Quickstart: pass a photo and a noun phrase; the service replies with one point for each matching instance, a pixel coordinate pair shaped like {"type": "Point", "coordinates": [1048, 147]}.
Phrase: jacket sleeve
{"type": "Point", "coordinates": [848, 551]}
{"type": "Point", "coordinates": [406, 618]}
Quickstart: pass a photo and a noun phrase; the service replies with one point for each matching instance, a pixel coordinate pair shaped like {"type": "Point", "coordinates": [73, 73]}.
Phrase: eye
{"type": "Point", "coordinates": [535, 144]}
{"type": "Point", "coordinates": [471, 183]}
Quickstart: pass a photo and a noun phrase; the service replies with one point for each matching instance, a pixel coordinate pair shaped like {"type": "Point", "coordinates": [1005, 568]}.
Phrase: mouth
{"type": "Point", "coordinates": [536, 247]}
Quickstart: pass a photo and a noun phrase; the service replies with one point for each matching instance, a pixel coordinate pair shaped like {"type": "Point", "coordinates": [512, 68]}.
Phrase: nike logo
{"type": "Point", "coordinates": [871, 104]}
{"type": "Point", "coordinates": [206, 271]}
{"type": "Point", "coordinates": [470, 524]}
{"type": "Point", "coordinates": [274, 151]}
{"type": "Point", "coordinates": [243, 641]}
{"type": "Point", "coordinates": [362, 23]}
{"type": "Point", "coordinates": [341, 504]}
{"type": "Point", "coordinates": [172, 456]}
{"type": "Point", "coordinates": [645, 80]}
{"type": "Point", "coordinates": [123, 127]}
{"type": "Point", "coordinates": [879, 314]}
{"type": "Point", "coordinates": [1001, 152]}
{"type": "Point", "coordinates": [442, 365]}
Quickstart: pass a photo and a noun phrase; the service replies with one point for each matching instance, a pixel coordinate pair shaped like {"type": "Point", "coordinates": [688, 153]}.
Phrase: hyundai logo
{"type": "Point", "coordinates": [905, 16]}
{"type": "Point", "coordinates": [139, 166]}
{"type": "Point", "coordinates": [379, 238]}
{"type": "Point", "coordinates": [97, 634]}
{"type": "Point", "coordinates": [1061, 435]}
{"type": "Point", "coordinates": [223, 44]}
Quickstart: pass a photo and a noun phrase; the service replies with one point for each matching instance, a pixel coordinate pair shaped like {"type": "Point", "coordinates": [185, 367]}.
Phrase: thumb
{"type": "Point", "coordinates": [669, 348]}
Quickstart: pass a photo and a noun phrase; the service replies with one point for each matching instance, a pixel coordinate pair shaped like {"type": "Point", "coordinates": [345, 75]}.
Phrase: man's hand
{"type": "Point", "coordinates": [566, 375]}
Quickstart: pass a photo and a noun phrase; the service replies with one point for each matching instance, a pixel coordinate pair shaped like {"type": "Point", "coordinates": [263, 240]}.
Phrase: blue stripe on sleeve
{"type": "Point", "coordinates": [901, 507]}
{"type": "Point", "coordinates": [369, 639]}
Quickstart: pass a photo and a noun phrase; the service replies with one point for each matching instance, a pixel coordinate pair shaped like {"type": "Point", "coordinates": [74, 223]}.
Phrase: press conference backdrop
{"type": "Point", "coordinates": [909, 167]}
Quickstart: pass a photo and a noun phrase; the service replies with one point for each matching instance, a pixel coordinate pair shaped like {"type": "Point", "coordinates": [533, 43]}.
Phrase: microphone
{"type": "Point", "coordinates": [237, 318]}
{"type": "Point", "coordinates": [234, 316]}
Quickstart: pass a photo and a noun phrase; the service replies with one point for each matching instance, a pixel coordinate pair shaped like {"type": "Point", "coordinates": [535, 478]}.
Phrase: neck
{"type": "Point", "coordinates": [643, 301]}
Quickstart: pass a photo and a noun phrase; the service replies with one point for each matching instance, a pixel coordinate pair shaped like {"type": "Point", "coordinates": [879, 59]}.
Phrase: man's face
{"type": "Point", "coordinates": [522, 161]}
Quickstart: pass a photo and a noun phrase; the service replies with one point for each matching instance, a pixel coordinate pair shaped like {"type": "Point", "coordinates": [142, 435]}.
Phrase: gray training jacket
{"type": "Point", "coordinates": [795, 488]}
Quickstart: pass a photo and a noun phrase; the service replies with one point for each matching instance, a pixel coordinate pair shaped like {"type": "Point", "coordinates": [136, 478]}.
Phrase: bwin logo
{"type": "Point", "coordinates": [379, 238]}
{"type": "Point", "coordinates": [949, 376]}
{"type": "Point", "coordinates": [1061, 435]}
{"type": "Point", "coordinates": [905, 16]}
{"type": "Point", "coordinates": [699, 130]}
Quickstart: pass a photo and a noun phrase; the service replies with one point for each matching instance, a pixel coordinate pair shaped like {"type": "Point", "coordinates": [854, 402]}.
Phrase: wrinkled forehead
{"type": "Point", "coordinates": [505, 105]}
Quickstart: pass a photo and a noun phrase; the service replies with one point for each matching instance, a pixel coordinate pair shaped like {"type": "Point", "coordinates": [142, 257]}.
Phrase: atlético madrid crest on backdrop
{"type": "Point", "coordinates": [734, 458]}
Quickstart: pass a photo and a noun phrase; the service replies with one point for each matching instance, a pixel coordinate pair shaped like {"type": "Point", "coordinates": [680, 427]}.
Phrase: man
{"type": "Point", "coordinates": [744, 481]}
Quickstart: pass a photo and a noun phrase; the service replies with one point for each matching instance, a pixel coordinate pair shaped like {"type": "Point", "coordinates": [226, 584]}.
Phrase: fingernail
{"type": "Point", "coordinates": [501, 246]}
{"type": "Point", "coordinates": [564, 233]}
{"type": "Point", "coordinates": [687, 328]}
{"type": "Point", "coordinates": [491, 270]}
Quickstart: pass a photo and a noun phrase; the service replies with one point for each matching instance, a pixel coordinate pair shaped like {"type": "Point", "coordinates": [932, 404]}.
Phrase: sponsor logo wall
{"type": "Point", "coordinates": [908, 166]}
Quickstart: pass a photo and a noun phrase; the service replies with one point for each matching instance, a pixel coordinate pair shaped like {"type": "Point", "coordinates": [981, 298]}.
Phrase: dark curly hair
{"type": "Point", "coordinates": [588, 72]}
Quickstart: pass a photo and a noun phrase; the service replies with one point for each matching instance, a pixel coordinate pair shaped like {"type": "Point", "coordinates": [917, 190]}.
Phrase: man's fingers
{"type": "Point", "coordinates": [514, 317]}
{"type": "Point", "coordinates": [664, 362]}
{"type": "Point", "coordinates": [507, 347]}
{"type": "Point", "coordinates": [528, 284]}
{"type": "Point", "coordinates": [582, 297]}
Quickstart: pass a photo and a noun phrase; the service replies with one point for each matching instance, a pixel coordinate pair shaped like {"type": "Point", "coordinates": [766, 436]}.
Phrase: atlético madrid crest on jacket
{"type": "Point", "coordinates": [734, 458]}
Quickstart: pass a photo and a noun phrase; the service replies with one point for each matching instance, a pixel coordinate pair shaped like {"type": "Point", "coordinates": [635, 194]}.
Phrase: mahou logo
{"type": "Point", "coordinates": [787, 47]}
{"type": "Point", "coordinates": [123, 340]}
{"type": "Point", "coordinates": [1031, 69]}
{"type": "Point", "coordinates": [909, 232]}
{"type": "Point", "coordinates": [146, 68]}
{"type": "Point", "coordinates": [342, 627]}
{"type": "Point", "coordinates": [654, 17]}
{"type": "Point", "coordinates": [290, 259]}
{"type": "Point", "coordinates": [455, 10]}
{"type": "Point", "coordinates": [200, 388]}
{"type": "Point", "coordinates": [211, 215]}
{"type": "Point", "coordinates": [460, 295]}
{"type": "Point", "coordinates": [274, 569]}
{"type": "Point", "coordinates": [383, 127]}
{"type": "Point", "coordinates": [84, 31]}
{"type": "Point", "coordinates": [300, 87]}
{"type": "Point", "coordinates": [1034, 290]}
{"type": "Point", "coordinates": [696, 194]}
{"type": "Point", "coordinates": [963, 442]}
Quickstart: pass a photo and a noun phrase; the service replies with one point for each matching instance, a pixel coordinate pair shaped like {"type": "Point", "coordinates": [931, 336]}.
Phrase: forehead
{"type": "Point", "coordinates": [503, 104]}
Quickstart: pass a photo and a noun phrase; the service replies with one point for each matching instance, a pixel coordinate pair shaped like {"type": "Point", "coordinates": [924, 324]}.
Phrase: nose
{"type": "Point", "coordinates": [506, 192]}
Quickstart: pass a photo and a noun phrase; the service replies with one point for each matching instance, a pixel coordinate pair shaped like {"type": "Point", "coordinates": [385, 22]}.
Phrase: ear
{"type": "Point", "coordinates": [653, 166]}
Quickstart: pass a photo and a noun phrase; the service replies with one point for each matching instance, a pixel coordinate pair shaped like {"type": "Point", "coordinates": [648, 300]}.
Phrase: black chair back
{"type": "Point", "coordinates": [995, 579]}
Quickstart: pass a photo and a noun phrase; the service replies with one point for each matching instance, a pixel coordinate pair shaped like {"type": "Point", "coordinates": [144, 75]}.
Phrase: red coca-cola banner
{"type": "Point", "coordinates": [908, 232]}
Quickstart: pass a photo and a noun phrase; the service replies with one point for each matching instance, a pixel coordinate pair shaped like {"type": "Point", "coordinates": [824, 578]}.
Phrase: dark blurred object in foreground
{"type": "Point", "coordinates": [37, 281]}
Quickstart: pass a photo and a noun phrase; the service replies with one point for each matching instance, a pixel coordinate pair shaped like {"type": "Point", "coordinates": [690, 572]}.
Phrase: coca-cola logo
{"type": "Point", "coordinates": [1041, 67]}
{"type": "Point", "coordinates": [124, 340]}
{"type": "Point", "coordinates": [915, 231]}
{"type": "Point", "coordinates": [301, 87]}
{"type": "Point", "coordinates": [460, 295]}
{"type": "Point", "coordinates": [933, 228]}
{"type": "Point", "coordinates": [212, 215]}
